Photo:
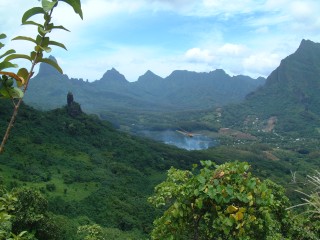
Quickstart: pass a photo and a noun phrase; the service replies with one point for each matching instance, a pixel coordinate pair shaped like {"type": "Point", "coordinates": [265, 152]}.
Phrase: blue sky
{"type": "Point", "coordinates": [248, 37]}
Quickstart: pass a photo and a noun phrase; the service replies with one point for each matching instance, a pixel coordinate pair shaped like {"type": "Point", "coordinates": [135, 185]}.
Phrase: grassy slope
{"type": "Point", "coordinates": [88, 169]}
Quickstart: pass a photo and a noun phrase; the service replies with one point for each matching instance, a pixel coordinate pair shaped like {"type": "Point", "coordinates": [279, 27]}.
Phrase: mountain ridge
{"type": "Point", "coordinates": [291, 94]}
{"type": "Point", "coordinates": [181, 90]}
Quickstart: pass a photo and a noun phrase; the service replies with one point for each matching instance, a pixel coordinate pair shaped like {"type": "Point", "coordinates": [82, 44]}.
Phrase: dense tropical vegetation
{"type": "Point", "coordinates": [224, 202]}
{"type": "Point", "coordinates": [69, 175]}
{"type": "Point", "coordinates": [90, 173]}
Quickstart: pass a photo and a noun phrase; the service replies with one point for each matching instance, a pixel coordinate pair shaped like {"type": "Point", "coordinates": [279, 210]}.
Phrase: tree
{"type": "Point", "coordinates": [14, 85]}
{"type": "Point", "coordinates": [30, 213]}
{"type": "Point", "coordinates": [220, 202]}
{"type": "Point", "coordinates": [91, 232]}
{"type": "Point", "coordinates": [7, 206]}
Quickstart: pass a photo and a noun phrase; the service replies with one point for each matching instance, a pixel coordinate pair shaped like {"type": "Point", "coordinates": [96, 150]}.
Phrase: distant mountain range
{"type": "Point", "coordinates": [181, 90]}
{"type": "Point", "coordinates": [290, 96]}
{"type": "Point", "coordinates": [287, 101]}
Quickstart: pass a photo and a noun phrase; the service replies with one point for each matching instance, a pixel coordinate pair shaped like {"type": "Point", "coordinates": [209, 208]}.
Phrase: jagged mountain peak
{"type": "Point", "coordinates": [113, 75]}
{"type": "Point", "coordinates": [149, 76]}
{"type": "Point", "coordinates": [182, 74]}
{"type": "Point", "coordinates": [219, 73]}
{"type": "Point", "coordinates": [182, 90]}
{"type": "Point", "coordinates": [306, 44]}
{"type": "Point", "coordinates": [46, 69]}
{"type": "Point", "coordinates": [149, 73]}
{"type": "Point", "coordinates": [298, 67]}
{"type": "Point", "coordinates": [306, 49]}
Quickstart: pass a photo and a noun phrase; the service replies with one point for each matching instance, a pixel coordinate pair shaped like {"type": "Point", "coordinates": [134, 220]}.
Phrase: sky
{"type": "Point", "coordinates": [242, 37]}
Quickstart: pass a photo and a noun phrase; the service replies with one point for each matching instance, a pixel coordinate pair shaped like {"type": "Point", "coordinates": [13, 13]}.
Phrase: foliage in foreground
{"type": "Point", "coordinates": [223, 202]}
{"type": "Point", "coordinates": [42, 44]}
{"type": "Point", "coordinates": [24, 215]}
{"type": "Point", "coordinates": [311, 203]}
{"type": "Point", "coordinates": [313, 200]}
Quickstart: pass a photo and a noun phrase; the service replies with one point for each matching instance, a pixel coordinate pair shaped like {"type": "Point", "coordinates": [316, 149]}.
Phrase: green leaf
{"type": "Point", "coordinates": [25, 38]}
{"type": "Point", "coordinates": [31, 12]}
{"type": "Point", "coordinates": [16, 93]}
{"type": "Point", "coordinates": [60, 27]}
{"type": "Point", "coordinates": [196, 192]}
{"type": "Point", "coordinates": [212, 192]}
{"type": "Point", "coordinates": [7, 53]}
{"type": "Point", "coordinates": [199, 203]}
{"type": "Point", "coordinates": [11, 92]}
{"type": "Point", "coordinates": [5, 64]}
{"type": "Point", "coordinates": [45, 42]}
{"type": "Point", "coordinates": [33, 54]}
{"type": "Point", "coordinates": [47, 49]}
{"type": "Point", "coordinates": [52, 63]}
{"type": "Point", "coordinates": [37, 48]}
{"type": "Point", "coordinates": [14, 76]}
{"type": "Point", "coordinates": [238, 216]}
{"type": "Point", "coordinates": [22, 233]}
{"type": "Point", "coordinates": [232, 209]}
{"type": "Point", "coordinates": [2, 36]}
{"type": "Point", "coordinates": [4, 92]}
{"type": "Point", "coordinates": [57, 44]}
{"type": "Point", "coordinates": [76, 5]}
{"type": "Point", "coordinates": [47, 5]}
{"type": "Point", "coordinates": [15, 56]}
{"type": "Point", "coordinates": [32, 23]}
{"type": "Point", "coordinates": [23, 73]}
{"type": "Point", "coordinates": [201, 179]}
{"type": "Point", "coordinates": [41, 31]}
{"type": "Point", "coordinates": [38, 39]}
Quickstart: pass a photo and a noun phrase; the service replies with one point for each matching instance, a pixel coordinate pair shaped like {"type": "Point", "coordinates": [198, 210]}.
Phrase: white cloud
{"type": "Point", "coordinates": [302, 10]}
{"type": "Point", "coordinates": [231, 49]}
{"type": "Point", "coordinates": [261, 63]}
{"type": "Point", "coordinates": [95, 10]}
{"type": "Point", "coordinates": [199, 55]}
{"type": "Point", "coordinates": [131, 62]}
{"type": "Point", "coordinates": [241, 37]}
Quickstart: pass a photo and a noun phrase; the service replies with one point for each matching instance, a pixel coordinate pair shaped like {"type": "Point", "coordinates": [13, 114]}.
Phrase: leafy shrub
{"type": "Point", "coordinates": [219, 202]}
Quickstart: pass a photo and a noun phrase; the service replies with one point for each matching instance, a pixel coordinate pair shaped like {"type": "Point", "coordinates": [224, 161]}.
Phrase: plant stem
{"type": "Point", "coordinates": [17, 106]}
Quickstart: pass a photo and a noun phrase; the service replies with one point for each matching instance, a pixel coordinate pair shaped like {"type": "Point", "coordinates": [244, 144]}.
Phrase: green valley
{"type": "Point", "coordinates": [68, 173]}
{"type": "Point", "coordinates": [92, 173]}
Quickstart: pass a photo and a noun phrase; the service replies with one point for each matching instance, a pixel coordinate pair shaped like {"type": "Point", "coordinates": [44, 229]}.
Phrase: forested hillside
{"type": "Point", "coordinates": [91, 173]}
{"type": "Point", "coordinates": [86, 168]}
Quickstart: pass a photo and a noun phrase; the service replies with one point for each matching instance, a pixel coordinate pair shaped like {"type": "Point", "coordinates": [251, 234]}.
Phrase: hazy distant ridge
{"type": "Point", "coordinates": [181, 90]}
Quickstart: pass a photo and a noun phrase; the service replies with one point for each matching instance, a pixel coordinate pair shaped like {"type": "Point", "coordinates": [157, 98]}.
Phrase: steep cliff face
{"type": "Point", "coordinates": [300, 69]}
{"type": "Point", "coordinates": [296, 82]}
{"type": "Point", "coordinates": [291, 92]}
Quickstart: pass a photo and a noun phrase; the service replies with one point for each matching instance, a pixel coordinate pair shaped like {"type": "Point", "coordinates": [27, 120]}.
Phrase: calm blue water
{"type": "Point", "coordinates": [198, 142]}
